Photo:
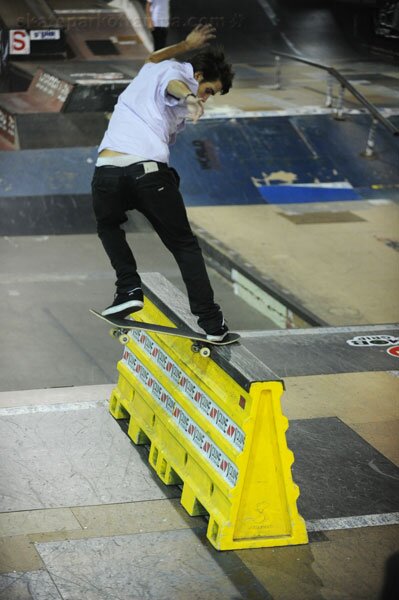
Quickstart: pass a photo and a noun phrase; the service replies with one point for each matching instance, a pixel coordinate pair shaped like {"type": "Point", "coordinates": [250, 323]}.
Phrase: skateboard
{"type": "Point", "coordinates": [121, 327]}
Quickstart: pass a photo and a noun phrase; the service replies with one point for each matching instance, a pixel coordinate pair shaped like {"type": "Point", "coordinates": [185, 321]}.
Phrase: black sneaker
{"type": "Point", "coordinates": [125, 303]}
{"type": "Point", "coordinates": [219, 335]}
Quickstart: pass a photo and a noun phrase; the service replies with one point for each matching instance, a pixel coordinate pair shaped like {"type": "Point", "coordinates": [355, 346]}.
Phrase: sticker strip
{"type": "Point", "coordinates": [214, 456]}
{"type": "Point", "coordinates": [189, 388]}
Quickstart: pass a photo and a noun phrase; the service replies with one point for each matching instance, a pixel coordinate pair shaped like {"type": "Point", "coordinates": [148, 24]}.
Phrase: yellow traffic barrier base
{"type": "Point", "coordinates": [225, 444]}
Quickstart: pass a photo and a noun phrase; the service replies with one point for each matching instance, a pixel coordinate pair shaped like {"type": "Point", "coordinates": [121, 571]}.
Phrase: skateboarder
{"type": "Point", "coordinates": [132, 172]}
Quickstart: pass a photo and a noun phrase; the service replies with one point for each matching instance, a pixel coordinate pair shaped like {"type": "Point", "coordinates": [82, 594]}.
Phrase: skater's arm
{"type": "Point", "coordinates": [200, 36]}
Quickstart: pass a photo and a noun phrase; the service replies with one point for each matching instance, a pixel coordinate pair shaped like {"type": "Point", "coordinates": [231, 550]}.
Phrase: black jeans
{"type": "Point", "coordinates": [156, 195]}
{"type": "Point", "coordinates": [159, 36]}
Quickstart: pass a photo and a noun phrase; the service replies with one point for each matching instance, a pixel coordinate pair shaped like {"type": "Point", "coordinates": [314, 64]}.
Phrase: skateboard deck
{"type": "Point", "coordinates": [121, 327]}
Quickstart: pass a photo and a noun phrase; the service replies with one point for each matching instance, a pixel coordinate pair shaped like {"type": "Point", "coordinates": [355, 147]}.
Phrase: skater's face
{"type": "Point", "coordinates": [207, 88]}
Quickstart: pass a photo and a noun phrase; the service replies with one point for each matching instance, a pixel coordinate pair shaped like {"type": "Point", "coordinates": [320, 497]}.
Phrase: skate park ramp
{"type": "Point", "coordinates": [248, 31]}
{"type": "Point", "coordinates": [89, 503]}
{"type": "Point", "coordinates": [283, 199]}
{"type": "Point", "coordinates": [99, 55]}
{"type": "Point", "coordinates": [260, 153]}
{"type": "Point", "coordinates": [261, 160]}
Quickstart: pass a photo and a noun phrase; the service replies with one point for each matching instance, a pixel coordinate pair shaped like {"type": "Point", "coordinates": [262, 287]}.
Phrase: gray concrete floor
{"type": "Point", "coordinates": [48, 284]}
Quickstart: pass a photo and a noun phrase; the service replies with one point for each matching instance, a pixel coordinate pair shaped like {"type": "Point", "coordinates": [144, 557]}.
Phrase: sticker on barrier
{"type": "Point", "coordinates": [189, 388]}
{"type": "Point", "coordinates": [373, 340]}
{"type": "Point", "coordinates": [187, 426]}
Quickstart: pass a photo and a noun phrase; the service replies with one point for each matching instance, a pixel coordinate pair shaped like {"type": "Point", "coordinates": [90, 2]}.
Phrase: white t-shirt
{"type": "Point", "coordinates": [146, 119]}
{"type": "Point", "coordinates": [160, 12]}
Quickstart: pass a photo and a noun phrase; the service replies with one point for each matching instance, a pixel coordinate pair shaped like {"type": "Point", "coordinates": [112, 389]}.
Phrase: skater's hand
{"type": "Point", "coordinates": [200, 36]}
{"type": "Point", "coordinates": [195, 107]}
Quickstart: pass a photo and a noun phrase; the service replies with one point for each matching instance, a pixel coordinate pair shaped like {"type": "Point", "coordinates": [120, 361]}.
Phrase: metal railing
{"type": "Point", "coordinates": [377, 116]}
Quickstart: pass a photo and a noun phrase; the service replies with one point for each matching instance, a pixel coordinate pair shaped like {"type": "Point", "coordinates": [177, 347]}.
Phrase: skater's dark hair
{"type": "Point", "coordinates": [212, 64]}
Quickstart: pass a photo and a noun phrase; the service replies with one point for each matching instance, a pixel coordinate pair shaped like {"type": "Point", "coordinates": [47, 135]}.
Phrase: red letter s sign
{"type": "Point", "coordinates": [19, 41]}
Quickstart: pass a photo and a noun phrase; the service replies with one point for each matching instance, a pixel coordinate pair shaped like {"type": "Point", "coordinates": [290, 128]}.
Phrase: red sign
{"type": "Point", "coordinates": [19, 41]}
{"type": "Point", "coordinates": [394, 351]}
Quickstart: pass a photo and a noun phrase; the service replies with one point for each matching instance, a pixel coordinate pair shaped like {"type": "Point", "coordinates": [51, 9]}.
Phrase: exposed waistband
{"type": "Point", "coordinates": [142, 168]}
{"type": "Point", "coordinates": [123, 160]}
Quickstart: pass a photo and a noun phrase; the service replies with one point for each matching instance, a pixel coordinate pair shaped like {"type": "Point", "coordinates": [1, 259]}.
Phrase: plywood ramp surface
{"type": "Point", "coordinates": [345, 273]}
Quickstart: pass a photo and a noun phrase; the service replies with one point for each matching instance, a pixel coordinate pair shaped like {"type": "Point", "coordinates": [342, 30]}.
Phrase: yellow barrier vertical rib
{"type": "Point", "coordinates": [224, 443]}
{"type": "Point", "coordinates": [266, 513]}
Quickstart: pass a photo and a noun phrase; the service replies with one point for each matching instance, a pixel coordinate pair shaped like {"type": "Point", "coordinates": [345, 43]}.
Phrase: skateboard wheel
{"type": "Point", "coordinates": [113, 332]}
{"type": "Point", "coordinates": [124, 338]}
{"type": "Point", "coordinates": [195, 348]}
{"type": "Point", "coordinates": [205, 352]}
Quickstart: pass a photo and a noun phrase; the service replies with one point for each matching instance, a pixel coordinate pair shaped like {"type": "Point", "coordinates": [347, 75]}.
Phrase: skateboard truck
{"type": "Point", "coordinates": [199, 342]}
{"type": "Point", "coordinates": [123, 336]}
{"type": "Point", "coordinates": [201, 347]}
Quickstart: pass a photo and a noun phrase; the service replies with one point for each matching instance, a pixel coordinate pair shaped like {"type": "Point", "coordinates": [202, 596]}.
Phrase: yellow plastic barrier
{"type": "Point", "coordinates": [226, 445]}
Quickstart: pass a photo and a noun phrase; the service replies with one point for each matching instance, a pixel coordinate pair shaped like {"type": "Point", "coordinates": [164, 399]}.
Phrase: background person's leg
{"type": "Point", "coordinates": [159, 36]}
